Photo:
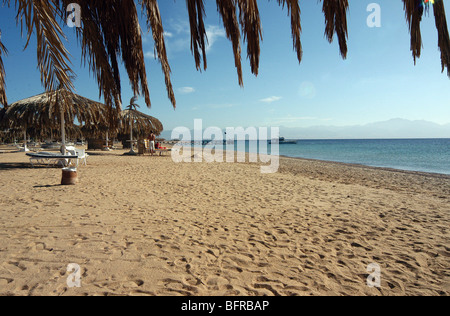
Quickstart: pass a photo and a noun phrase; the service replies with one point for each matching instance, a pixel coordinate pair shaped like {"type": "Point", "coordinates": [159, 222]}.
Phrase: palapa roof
{"type": "Point", "coordinates": [43, 110]}
{"type": "Point", "coordinates": [143, 124]}
{"type": "Point", "coordinates": [2, 114]}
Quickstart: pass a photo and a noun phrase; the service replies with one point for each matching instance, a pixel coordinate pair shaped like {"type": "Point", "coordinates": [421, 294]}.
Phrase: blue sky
{"type": "Point", "coordinates": [377, 82]}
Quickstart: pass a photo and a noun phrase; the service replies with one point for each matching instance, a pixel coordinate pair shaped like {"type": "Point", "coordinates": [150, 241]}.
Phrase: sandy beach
{"type": "Point", "coordinates": [148, 226]}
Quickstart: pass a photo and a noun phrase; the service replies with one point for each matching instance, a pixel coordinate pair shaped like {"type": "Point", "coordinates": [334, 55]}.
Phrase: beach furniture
{"type": "Point", "coordinates": [80, 153]}
{"type": "Point", "coordinates": [49, 159]}
{"type": "Point", "coordinates": [82, 156]}
{"type": "Point", "coordinates": [163, 150]}
{"type": "Point", "coordinates": [144, 148]}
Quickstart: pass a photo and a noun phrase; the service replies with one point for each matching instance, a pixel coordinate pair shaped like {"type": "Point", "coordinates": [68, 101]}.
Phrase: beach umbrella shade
{"type": "Point", "coordinates": [142, 124]}
{"type": "Point", "coordinates": [54, 110]}
{"type": "Point", "coordinates": [3, 123]}
{"type": "Point", "coordinates": [98, 131]}
{"type": "Point", "coordinates": [133, 121]}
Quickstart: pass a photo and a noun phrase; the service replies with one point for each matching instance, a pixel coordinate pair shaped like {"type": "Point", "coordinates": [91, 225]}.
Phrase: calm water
{"type": "Point", "coordinates": [427, 155]}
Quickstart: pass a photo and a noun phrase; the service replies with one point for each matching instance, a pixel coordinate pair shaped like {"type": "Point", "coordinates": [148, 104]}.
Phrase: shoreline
{"type": "Point", "coordinates": [357, 165]}
{"type": "Point", "coordinates": [363, 166]}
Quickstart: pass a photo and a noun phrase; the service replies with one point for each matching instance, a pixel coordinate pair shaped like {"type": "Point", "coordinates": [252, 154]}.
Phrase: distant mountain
{"type": "Point", "coordinates": [395, 128]}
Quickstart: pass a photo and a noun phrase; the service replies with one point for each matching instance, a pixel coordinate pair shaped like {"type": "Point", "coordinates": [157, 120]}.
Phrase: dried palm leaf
{"type": "Point", "coordinates": [251, 27]}
{"type": "Point", "coordinates": [107, 33]}
{"type": "Point", "coordinates": [143, 124]}
{"type": "Point", "coordinates": [111, 32]}
{"type": "Point", "coordinates": [335, 12]}
{"type": "Point", "coordinates": [154, 23]}
{"type": "Point", "coordinates": [296, 27]}
{"type": "Point", "coordinates": [3, 51]}
{"type": "Point", "coordinates": [39, 17]}
{"type": "Point", "coordinates": [227, 10]}
{"type": "Point", "coordinates": [444, 39]}
{"type": "Point", "coordinates": [199, 40]}
{"type": "Point", "coordinates": [414, 12]}
{"type": "Point", "coordinates": [44, 111]}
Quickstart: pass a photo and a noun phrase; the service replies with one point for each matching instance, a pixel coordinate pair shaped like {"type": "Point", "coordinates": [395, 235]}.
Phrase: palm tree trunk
{"type": "Point", "coordinates": [132, 152]}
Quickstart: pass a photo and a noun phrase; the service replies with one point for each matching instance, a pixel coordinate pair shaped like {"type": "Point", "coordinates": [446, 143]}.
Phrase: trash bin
{"type": "Point", "coordinates": [69, 176]}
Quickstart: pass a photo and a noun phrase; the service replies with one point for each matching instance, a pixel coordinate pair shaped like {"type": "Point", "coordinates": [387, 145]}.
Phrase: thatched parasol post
{"type": "Point", "coordinates": [25, 148]}
{"type": "Point", "coordinates": [132, 152]}
{"type": "Point", "coordinates": [63, 131]}
{"type": "Point", "coordinates": [107, 140]}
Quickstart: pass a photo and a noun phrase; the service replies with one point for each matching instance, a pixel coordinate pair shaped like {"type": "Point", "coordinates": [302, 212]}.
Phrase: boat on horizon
{"type": "Point", "coordinates": [282, 140]}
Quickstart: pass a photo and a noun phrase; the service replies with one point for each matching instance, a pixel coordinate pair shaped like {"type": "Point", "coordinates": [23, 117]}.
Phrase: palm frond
{"type": "Point", "coordinates": [335, 12]}
{"type": "Point", "coordinates": [111, 34]}
{"type": "Point", "coordinates": [154, 23]}
{"type": "Point", "coordinates": [133, 105]}
{"type": "Point", "coordinates": [39, 17]}
{"type": "Point", "coordinates": [227, 10]}
{"type": "Point", "coordinates": [251, 27]}
{"type": "Point", "coordinates": [3, 51]}
{"type": "Point", "coordinates": [414, 12]}
{"type": "Point", "coordinates": [196, 11]}
{"type": "Point", "coordinates": [444, 38]}
{"type": "Point", "coordinates": [107, 33]}
{"type": "Point", "coordinates": [131, 48]}
{"type": "Point", "coordinates": [97, 52]}
{"type": "Point", "coordinates": [296, 27]}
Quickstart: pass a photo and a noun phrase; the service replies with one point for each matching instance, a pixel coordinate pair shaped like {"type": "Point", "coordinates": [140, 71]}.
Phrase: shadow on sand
{"type": "Point", "coordinates": [21, 165]}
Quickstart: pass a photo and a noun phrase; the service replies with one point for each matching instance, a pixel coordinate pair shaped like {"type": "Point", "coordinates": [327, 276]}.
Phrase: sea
{"type": "Point", "coordinates": [424, 155]}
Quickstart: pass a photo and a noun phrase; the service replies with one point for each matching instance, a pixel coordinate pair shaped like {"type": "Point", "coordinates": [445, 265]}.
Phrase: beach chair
{"type": "Point", "coordinates": [82, 156]}
{"type": "Point", "coordinates": [80, 153]}
{"type": "Point", "coordinates": [49, 159]}
{"type": "Point", "coordinates": [162, 151]}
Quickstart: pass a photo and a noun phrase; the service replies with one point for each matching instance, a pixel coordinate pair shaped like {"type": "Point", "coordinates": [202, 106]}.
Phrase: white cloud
{"type": "Point", "coordinates": [168, 34]}
{"type": "Point", "coordinates": [178, 36]}
{"type": "Point", "coordinates": [149, 54]}
{"type": "Point", "coordinates": [214, 33]}
{"type": "Point", "coordinates": [271, 99]}
{"type": "Point", "coordinates": [186, 90]}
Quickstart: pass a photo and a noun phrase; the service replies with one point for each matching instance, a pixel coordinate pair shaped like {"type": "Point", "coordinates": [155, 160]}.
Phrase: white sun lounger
{"type": "Point", "coordinates": [49, 159]}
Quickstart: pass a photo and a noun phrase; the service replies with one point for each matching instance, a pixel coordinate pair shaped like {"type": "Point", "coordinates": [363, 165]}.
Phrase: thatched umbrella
{"type": "Point", "coordinates": [133, 121]}
{"type": "Point", "coordinates": [108, 38]}
{"type": "Point", "coordinates": [57, 108]}
{"type": "Point", "coordinates": [142, 123]}
{"type": "Point", "coordinates": [2, 115]}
